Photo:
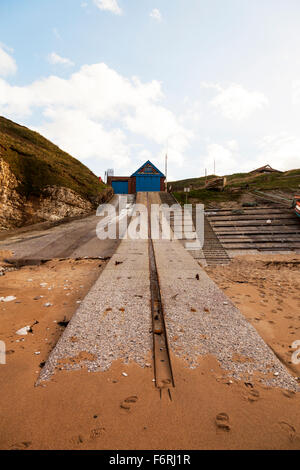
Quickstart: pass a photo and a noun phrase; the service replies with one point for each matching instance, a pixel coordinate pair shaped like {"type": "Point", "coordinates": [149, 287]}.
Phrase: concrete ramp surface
{"type": "Point", "coordinates": [115, 320]}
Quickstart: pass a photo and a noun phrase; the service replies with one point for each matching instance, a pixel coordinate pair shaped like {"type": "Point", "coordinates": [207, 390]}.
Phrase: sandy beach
{"type": "Point", "coordinates": [109, 410]}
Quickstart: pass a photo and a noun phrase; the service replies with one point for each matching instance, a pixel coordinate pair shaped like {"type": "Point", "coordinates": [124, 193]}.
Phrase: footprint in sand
{"type": "Point", "coordinates": [127, 403]}
{"type": "Point", "coordinates": [288, 393]}
{"type": "Point", "coordinates": [96, 432]}
{"type": "Point", "coordinates": [222, 422]}
{"type": "Point", "coordinates": [76, 440]}
{"type": "Point", "coordinates": [253, 395]}
{"type": "Point", "coordinates": [21, 445]}
{"type": "Point", "coordinates": [289, 429]}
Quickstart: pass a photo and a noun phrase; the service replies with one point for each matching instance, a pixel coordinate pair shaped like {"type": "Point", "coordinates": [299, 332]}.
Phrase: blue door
{"type": "Point", "coordinates": [147, 183]}
{"type": "Point", "coordinates": [120, 187]}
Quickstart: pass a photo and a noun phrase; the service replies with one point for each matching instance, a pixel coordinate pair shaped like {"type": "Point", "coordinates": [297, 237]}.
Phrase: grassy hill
{"type": "Point", "coordinates": [38, 163]}
{"type": "Point", "coordinates": [238, 184]}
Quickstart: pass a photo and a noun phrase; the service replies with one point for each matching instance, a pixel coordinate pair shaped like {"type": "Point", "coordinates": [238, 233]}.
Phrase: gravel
{"type": "Point", "coordinates": [201, 320]}
{"type": "Point", "coordinates": [113, 321]}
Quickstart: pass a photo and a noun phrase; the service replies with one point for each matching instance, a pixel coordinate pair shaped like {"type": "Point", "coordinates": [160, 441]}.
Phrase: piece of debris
{"type": "Point", "coordinates": [249, 204]}
{"type": "Point", "coordinates": [9, 298]}
{"type": "Point", "coordinates": [157, 331]}
{"type": "Point", "coordinates": [48, 304]}
{"type": "Point", "coordinates": [124, 373]}
{"type": "Point", "coordinates": [197, 277]}
{"type": "Point", "coordinates": [43, 284]}
{"type": "Point", "coordinates": [37, 352]}
{"type": "Point", "coordinates": [118, 262]}
{"type": "Point", "coordinates": [64, 323]}
{"type": "Point", "coordinates": [23, 331]}
{"type": "Point", "coordinates": [269, 221]}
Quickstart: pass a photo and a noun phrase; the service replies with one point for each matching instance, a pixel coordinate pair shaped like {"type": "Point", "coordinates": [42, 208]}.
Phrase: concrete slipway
{"type": "Point", "coordinates": [114, 320]}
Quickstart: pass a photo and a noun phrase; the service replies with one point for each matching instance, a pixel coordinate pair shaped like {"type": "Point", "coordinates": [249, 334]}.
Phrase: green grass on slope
{"type": "Point", "coordinates": [37, 163]}
{"type": "Point", "coordinates": [205, 196]}
{"type": "Point", "coordinates": [237, 184]}
{"type": "Point", "coordinates": [288, 180]}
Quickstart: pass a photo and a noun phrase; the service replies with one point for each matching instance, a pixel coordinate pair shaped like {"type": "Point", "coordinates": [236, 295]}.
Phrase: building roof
{"type": "Point", "coordinates": [267, 168]}
{"type": "Point", "coordinates": [148, 169]}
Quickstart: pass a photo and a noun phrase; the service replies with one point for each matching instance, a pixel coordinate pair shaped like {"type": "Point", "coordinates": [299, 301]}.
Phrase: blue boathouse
{"type": "Point", "coordinates": [146, 178]}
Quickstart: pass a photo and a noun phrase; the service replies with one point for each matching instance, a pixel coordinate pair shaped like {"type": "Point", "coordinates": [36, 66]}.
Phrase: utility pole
{"type": "Point", "coordinates": [166, 171]}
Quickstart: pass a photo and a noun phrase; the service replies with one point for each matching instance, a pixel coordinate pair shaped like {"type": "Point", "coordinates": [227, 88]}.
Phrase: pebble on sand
{"type": "Point", "coordinates": [23, 331]}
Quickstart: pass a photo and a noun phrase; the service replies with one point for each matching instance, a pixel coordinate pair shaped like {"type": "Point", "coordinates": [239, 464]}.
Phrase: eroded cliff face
{"type": "Point", "coordinates": [11, 203]}
{"type": "Point", "coordinates": [54, 203]}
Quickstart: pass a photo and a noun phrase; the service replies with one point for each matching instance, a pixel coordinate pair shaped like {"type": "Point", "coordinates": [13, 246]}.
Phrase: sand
{"type": "Point", "coordinates": [266, 288]}
{"type": "Point", "coordinates": [107, 410]}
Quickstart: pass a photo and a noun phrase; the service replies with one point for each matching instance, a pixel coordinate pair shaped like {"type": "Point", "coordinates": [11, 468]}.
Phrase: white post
{"type": "Point", "coordinates": [166, 171]}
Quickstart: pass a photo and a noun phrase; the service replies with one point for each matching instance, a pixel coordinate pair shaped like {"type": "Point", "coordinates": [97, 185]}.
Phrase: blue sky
{"type": "Point", "coordinates": [117, 82]}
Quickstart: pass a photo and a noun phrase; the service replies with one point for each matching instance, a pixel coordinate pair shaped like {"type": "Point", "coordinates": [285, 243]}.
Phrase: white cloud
{"type": "Point", "coordinates": [161, 126]}
{"type": "Point", "coordinates": [156, 15]}
{"type": "Point", "coordinates": [76, 133]}
{"type": "Point", "coordinates": [55, 59]}
{"type": "Point", "coordinates": [84, 4]}
{"type": "Point", "coordinates": [224, 156]}
{"type": "Point", "coordinates": [296, 92]}
{"type": "Point", "coordinates": [145, 155]}
{"type": "Point", "coordinates": [281, 151]}
{"type": "Point", "coordinates": [108, 5]}
{"type": "Point", "coordinates": [96, 113]}
{"type": "Point", "coordinates": [235, 102]}
{"type": "Point", "coordinates": [233, 145]}
{"type": "Point", "coordinates": [7, 63]}
{"type": "Point", "coordinates": [192, 114]}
